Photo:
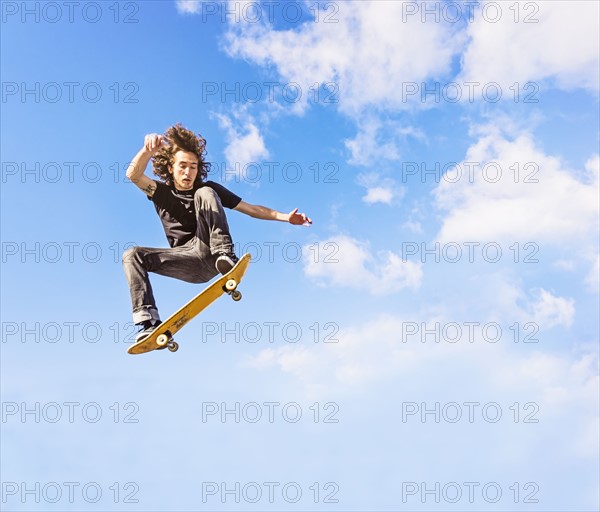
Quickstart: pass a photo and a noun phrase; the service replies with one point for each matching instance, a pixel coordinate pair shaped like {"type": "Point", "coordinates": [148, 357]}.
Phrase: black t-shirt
{"type": "Point", "coordinates": [176, 209]}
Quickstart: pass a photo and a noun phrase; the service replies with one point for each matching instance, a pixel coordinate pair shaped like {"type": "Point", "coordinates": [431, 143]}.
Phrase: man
{"type": "Point", "coordinates": [192, 214]}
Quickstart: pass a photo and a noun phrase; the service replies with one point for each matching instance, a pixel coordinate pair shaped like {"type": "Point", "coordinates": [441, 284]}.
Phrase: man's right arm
{"type": "Point", "coordinates": [135, 171]}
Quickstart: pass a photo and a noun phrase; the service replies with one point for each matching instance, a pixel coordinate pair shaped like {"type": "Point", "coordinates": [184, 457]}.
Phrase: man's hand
{"type": "Point", "coordinates": [299, 219]}
{"type": "Point", "coordinates": [153, 142]}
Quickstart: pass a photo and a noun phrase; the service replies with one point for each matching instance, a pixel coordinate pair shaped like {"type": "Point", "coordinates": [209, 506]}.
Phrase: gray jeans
{"type": "Point", "coordinates": [193, 262]}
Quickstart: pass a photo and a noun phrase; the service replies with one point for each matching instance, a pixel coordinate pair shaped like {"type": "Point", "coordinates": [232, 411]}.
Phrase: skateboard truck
{"type": "Point", "coordinates": [167, 340]}
{"type": "Point", "coordinates": [230, 288]}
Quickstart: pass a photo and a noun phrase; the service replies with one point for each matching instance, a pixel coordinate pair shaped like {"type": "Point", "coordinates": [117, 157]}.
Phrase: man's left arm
{"type": "Point", "coordinates": [264, 213]}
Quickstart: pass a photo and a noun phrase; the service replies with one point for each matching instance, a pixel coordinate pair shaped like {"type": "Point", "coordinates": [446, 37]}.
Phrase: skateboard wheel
{"type": "Point", "coordinates": [173, 346]}
{"type": "Point", "coordinates": [236, 295]}
{"type": "Point", "coordinates": [231, 284]}
{"type": "Point", "coordinates": [162, 340]}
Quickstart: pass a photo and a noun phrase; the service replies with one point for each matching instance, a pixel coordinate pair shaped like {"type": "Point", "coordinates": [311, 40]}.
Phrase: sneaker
{"type": "Point", "coordinates": [225, 262]}
{"type": "Point", "coordinates": [146, 329]}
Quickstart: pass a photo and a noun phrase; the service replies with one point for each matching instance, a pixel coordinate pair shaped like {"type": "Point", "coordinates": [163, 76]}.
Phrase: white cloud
{"type": "Point", "coordinates": [561, 46]}
{"type": "Point", "coordinates": [368, 52]}
{"type": "Point", "coordinates": [367, 147]}
{"type": "Point", "coordinates": [549, 310]}
{"type": "Point", "coordinates": [188, 6]}
{"type": "Point", "coordinates": [379, 190]}
{"type": "Point", "coordinates": [245, 143]}
{"type": "Point", "coordinates": [354, 265]}
{"type": "Point", "coordinates": [558, 204]}
{"type": "Point", "coordinates": [378, 195]}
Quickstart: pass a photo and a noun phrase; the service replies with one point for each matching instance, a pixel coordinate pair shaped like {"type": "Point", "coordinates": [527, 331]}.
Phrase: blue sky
{"type": "Point", "coordinates": [429, 343]}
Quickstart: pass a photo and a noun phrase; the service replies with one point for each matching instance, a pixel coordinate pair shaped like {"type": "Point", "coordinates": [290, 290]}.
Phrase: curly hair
{"type": "Point", "coordinates": [178, 138]}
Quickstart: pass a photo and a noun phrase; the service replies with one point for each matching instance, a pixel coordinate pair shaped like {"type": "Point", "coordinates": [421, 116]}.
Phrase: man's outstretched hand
{"type": "Point", "coordinates": [300, 219]}
{"type": "Point", "coordinates": [153, 142]}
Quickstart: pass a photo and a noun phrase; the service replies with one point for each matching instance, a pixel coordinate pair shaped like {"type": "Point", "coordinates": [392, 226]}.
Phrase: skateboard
{"type": "Point", "coordinates": [162, 336]}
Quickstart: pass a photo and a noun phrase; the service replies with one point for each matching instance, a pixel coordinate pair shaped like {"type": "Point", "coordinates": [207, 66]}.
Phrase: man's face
{"type": "Point", "coordinates": [184, 170]}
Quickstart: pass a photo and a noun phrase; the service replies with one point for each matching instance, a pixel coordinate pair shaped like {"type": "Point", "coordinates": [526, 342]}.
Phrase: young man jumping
{"type": "Point", "coordinates": [191, 210]}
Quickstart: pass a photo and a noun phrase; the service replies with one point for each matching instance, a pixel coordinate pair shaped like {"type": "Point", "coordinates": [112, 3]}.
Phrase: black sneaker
{"type": "Point", "coordinates": [146, 329]}
{"type": "Point", "coordinates": [225, 262]}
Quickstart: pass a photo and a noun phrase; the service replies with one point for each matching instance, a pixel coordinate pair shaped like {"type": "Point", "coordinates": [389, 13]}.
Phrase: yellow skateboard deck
{"type": "Point", "coordinates": [162, 336]}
